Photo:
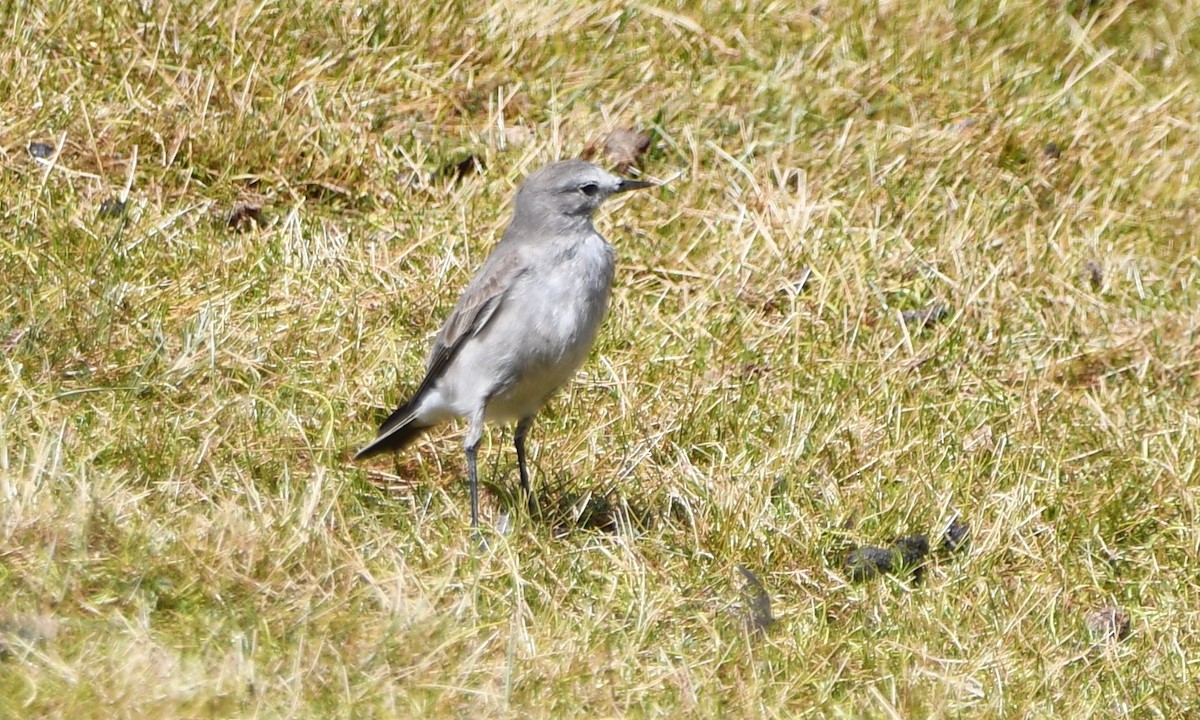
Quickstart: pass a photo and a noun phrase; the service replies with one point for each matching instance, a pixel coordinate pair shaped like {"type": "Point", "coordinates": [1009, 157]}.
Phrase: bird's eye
{"type": "Point", "coordinates": [589, 189]}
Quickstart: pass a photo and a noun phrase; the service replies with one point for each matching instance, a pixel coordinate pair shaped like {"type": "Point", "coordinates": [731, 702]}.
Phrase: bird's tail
{"type": "Point", "coordinates": [396, 433]}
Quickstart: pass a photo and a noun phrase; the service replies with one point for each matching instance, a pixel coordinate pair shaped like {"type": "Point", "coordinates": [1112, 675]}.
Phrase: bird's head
{"type": "Point", "coordinates": [571, 188]}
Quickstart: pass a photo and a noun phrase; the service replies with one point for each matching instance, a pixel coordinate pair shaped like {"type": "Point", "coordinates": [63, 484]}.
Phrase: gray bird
{"type": "Point", "coordinates": [526, 321]}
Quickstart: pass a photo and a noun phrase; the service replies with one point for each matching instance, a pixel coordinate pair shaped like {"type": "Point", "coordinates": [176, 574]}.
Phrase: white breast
{"type": "Point", "coordinates": [553, 319]}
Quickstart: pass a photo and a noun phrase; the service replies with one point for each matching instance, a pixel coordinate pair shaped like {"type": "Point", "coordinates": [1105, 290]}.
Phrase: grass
{"type": "Point", "coordinates": [182, 533]}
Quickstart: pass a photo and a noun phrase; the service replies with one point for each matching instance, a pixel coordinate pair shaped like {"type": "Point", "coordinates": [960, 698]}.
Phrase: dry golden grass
{"type": "Point", "coordinates": [182, 381]}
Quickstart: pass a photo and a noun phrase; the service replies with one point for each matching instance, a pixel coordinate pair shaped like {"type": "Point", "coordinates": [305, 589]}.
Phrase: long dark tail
{"type": "Point", "coordinates": [396, 433]}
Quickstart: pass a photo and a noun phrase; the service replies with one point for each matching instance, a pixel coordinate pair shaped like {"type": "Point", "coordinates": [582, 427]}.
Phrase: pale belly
{"type": "Point", "coordinates": [562, 320]}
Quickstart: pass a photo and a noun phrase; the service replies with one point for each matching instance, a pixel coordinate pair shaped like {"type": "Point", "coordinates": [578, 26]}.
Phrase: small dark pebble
{"type": "Point", "coordinates": [912, 548]}
{"type": "Point", "coordinates": [460, 169]}
{"type": "Point", "coordinates": [956, 535]}
{"type": "Point", "coordinates": [41, 150]}
{"type": "Point", "coordinates": [244, 216]}
{"type": "Point", "coordinates": [929, 315]}
{"type": "Point", "coordinates": [1052, 151]}
{"type": "Point", "coordinates": [112, 207]}
{"type": "Point", "coordinates": [868, 562]}
{"type": "Point", "coordinates": [907, 553]}
{"type": "Point", "coordinates": [1093, 273]}
{"type": "Point", "coordinates": [1109, 622]}
{"type": "Point", "coordinates": [758, 602]}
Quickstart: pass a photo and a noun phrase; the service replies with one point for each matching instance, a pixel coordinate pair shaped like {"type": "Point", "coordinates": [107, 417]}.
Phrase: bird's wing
{"type": "Point", "coordinates": [475, 309]}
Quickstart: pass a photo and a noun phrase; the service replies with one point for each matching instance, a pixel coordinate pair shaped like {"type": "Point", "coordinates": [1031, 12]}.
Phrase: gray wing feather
{"type": "Point", "coordinates": [478, 305]}
{"type": "Point", "coordinates": [475, 309]}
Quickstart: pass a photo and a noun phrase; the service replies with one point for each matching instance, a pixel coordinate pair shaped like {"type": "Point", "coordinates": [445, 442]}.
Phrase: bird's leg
{"type": "Point", "coordinates": [519, 441]}
{"type": "Point", "coordinates": [474, 436]}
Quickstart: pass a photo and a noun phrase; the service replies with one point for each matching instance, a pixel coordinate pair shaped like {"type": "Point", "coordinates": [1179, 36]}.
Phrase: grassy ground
{"type": "Point", "coordinates": [182, 533]}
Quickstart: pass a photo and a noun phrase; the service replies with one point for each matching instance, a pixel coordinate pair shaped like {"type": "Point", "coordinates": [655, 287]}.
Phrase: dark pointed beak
{"type": "Point", "coordinates": [627, 185]}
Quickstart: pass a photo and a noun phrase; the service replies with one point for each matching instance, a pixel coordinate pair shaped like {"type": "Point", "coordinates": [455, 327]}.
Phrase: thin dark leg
{"type": "Point", "coordinates": [473, 481]}
{"type": "Point", "coordinates": [519, 442]}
